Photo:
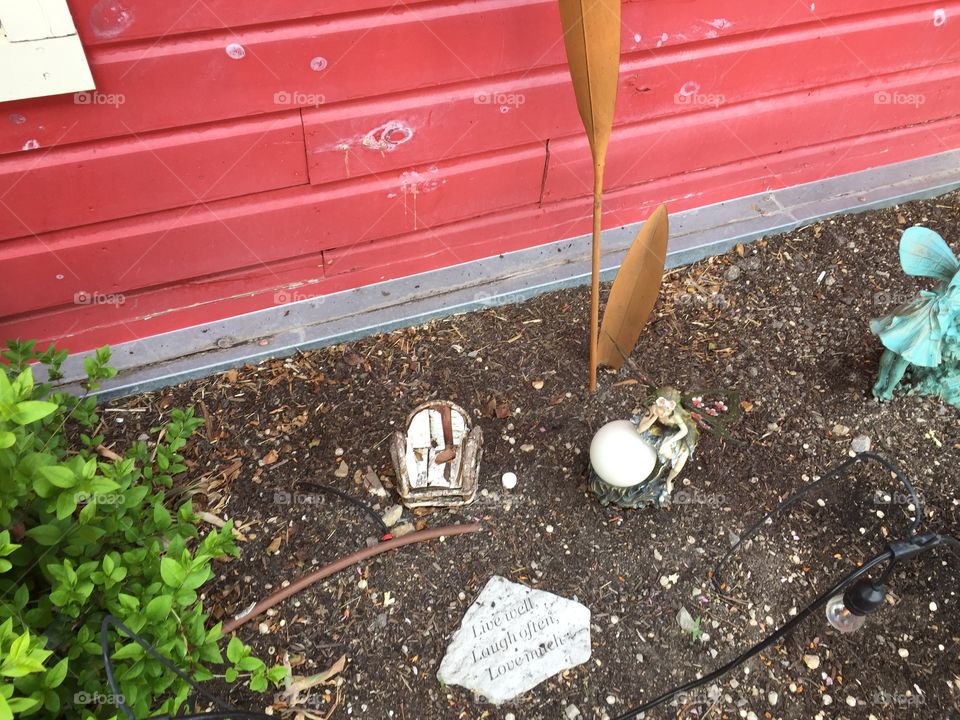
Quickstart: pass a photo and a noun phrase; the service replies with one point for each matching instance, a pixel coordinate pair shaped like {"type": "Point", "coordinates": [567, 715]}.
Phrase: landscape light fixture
{"type": "Point", "coordinates": [848, 603]}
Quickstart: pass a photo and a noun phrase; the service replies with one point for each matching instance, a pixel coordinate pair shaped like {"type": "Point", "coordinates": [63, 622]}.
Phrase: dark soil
{"type": "Point", "coordinates": [784, 322]}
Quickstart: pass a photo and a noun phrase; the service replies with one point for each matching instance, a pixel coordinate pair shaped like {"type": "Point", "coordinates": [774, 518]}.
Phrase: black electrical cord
{"type": "Point", "coordinates": [229, 712]}
{"type": "Point", "coordinates": [894, 552]}
{"type": "Point", "coordinates": [800, 494]}
{"type": "Point", "coordinates": [384, 530]}
{"type": "Point", "coordinates": [762, 645]}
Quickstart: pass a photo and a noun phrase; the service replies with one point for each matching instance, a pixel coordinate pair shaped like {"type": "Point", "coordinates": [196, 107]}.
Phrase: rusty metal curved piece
{"type": "Point", "coordinates": [343, 563]}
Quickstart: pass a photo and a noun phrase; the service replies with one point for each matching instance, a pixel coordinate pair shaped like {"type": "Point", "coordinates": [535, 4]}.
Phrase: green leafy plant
{"type": "Point", "coordinates": [695, 631]}
{"type": "Point", "coordinates": [85, 536]}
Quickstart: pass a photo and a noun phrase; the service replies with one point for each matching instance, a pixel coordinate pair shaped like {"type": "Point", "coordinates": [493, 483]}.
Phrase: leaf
{"type": "Point", "coordinates": [45, 535]}
{"type": "Point", "coordinates": [58, 475]}
{"type": "Point", "coordinates": [19, 668]}
{"type": "Point", "coordinates": [66, 504]}
{"type": "Point", "coordinates": [30, 411]}
{"type": "Point", "coordinates": [161, 516]}
{"type": "Point", "coordinates": [23, 386]}
{"type": "Point", "coordinates": [19, 647]}
{"type": "Point", "coordinates": [196, 578]}
{"type": "Point", "coordinates": [591, 34]}
{"type": "Point", "coordinates": [128, 601]}
{"type": "Point", "coordinates": [159, 608]}
{"type": "Point", "coordinates": [7, 439]}
{"type": "Point", "coordinates": [172, 572]}
{"type": "Point", "coordinates": [276, 673]}
{"type": "Point", "coordinates": [634, 291]}
{"type": "Point", "coordinates": [22, 704]}
{"type": "Point", "coordinates": [55, 675]}
{"type": "Point", "coordinates": [235, 649]}
{"type": "Point", "coordinates": [258, 683]}
{"type": "Point", "coordinates": [6, 390]}
{"type": "Point", "coordinates": [129, 651]}
{"type": "Point", "coordinates": [250, 664]}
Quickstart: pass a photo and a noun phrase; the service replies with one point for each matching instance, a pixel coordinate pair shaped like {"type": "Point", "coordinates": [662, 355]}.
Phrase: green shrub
{"type": "Point", "coordinates": [84, 537]}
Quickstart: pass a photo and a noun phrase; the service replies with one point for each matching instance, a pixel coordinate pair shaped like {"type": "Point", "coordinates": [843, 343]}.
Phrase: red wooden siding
{"type": "Point", "coordinates": [241, 154]}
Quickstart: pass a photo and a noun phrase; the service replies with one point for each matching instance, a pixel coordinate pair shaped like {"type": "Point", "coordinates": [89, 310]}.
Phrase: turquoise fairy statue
{"type": "Point", "coordinates": [922, 336]}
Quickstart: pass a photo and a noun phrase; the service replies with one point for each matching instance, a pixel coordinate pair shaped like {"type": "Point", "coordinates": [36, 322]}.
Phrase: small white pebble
{"type": "Point", "coordinates": [509, 480]}
{"type": "Point", "coordinates": [611, 700]}
{"type": "Point", "coordinates": [773, 697]}
{"type": "Point", "coordinates": [851, 701]}
{"type": "Point", "coordinates": [549, 528]}
{"type": "Point", "coordinates": [827, 699]}
{"type": "Point", "coordinates": [933, 607]}
{"type": "Point", "coordinates": [903, 652]}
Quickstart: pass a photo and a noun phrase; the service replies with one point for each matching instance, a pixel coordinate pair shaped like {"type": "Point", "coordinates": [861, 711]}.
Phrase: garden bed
{"type": "Point", "coordinates": [784, 322]}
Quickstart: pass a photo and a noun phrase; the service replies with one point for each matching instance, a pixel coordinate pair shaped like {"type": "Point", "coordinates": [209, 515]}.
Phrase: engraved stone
{"type": "Point", "coordinates": [513, 638]}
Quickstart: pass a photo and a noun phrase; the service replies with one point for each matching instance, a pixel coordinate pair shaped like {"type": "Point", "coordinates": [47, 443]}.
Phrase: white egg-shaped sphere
{"type": "Point", "coordinates": [620, 456]}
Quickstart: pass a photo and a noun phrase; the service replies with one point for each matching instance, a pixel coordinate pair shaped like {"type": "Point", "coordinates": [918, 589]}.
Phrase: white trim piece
{"type": "Point", "coordinates": [40, 51]}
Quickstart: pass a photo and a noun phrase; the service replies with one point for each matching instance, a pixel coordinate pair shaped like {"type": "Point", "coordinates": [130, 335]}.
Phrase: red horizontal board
{"type": "Point", "coordinates": [212, 298]}
{"type": "Point", "coordinates": [83, 184]}
{"type": "Point", "coordinates": [673, 146]}
{"type": "Point", "coordinates": [357, 56]}
{"type": "Point", "coordinates": [103, 21]}
{"type": "Point", "coordinates": [350, 140]}
{"type": "Point", "coordinates": [259, 70]}
{"type": "Point", "coordinates": [124, 255]}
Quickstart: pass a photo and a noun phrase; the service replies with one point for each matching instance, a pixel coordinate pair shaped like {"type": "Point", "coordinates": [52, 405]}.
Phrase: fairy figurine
{"type": "Point", "coordinates": [922, 334]}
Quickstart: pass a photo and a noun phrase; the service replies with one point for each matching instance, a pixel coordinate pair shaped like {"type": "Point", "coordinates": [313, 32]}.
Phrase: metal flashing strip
{"type": "Point", "coordinates": [181, 355]}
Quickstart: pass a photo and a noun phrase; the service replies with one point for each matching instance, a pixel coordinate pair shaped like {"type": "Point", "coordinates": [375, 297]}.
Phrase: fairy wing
{"type": "Point", "coordinates": [924, 253]}
{"type": "Point", "coordinates": [913, 330]}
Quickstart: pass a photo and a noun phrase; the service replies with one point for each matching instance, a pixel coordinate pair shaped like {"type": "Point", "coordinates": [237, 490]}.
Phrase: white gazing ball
{"type": "Point", "coordinates": [620, 456]}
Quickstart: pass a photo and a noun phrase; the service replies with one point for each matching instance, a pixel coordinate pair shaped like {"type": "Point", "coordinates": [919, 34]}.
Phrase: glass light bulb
{"type": "Point", "coordinates": [841, 618]}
